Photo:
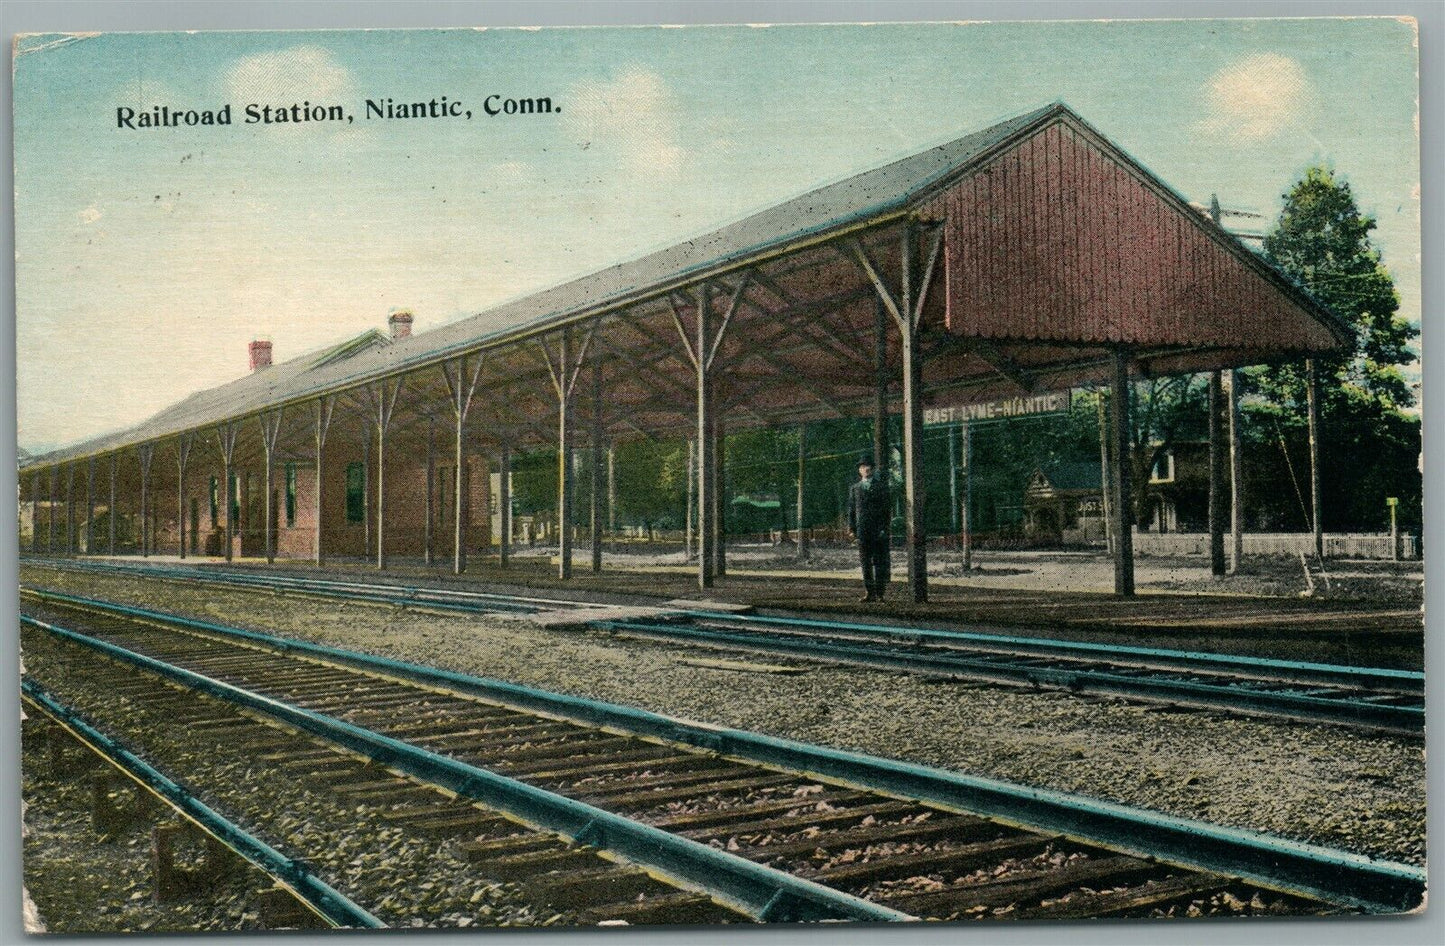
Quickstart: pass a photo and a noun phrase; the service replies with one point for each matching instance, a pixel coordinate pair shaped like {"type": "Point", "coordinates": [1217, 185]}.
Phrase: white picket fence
{"type": "Point", "coordinates": [1337, 545]}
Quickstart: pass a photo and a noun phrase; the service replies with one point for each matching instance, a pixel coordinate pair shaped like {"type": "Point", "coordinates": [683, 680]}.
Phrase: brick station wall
{"type": "Point", "coordinates": [405, 509]}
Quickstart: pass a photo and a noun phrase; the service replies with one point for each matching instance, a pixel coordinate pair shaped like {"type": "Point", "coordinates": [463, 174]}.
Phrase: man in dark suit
{"type": "Point", "coordinates": [869, 514]}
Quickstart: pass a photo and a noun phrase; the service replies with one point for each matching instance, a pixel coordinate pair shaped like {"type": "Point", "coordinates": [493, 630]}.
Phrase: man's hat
{"type": "Point", "coordinates": [865, 460]}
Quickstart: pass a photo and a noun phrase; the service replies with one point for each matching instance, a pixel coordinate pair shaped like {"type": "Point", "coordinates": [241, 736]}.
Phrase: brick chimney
{"type": "Point", "coordinates": [400, 323]}
{"type": "Point", "coordinates": [260, 351]}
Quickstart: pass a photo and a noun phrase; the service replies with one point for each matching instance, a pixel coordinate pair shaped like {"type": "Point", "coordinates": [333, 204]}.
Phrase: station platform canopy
{"type": "Point", "coordinates": [1030, 256]}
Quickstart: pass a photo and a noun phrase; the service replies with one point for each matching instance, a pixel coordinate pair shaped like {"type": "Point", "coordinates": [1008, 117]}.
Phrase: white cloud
{"type": "Point", "coordinates": [633, 114]}
{"type": "Point", "coordinates": [297, 74]}
{"type": "Point", "coordinates": [1257, 97]}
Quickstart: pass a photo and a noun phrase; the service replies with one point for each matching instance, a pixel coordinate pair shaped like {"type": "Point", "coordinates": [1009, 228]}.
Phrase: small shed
{"type": "Point", "coordinates": [1064, 503]}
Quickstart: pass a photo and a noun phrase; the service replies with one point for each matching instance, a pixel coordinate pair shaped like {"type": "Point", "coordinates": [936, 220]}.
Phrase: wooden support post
{"type": "Point", "coordinates": [880, 392]}
{"type": "Point", "coordinates": [147, 454]}
{"type": "Point", "coordinates": [1236, 474]}
{"type": "Point", "coordinates": [966, 512]}
{"type": "Point", "coordinates": [564, 463]}
{"type": "Point", "coordinates": [384, 405]}
{"type": "Point", "coordinates": [706, 472]}
{"type": "Point", "coordinates": [597, 455]}
{"type": "Point", "coordinates": [110, 510]}
{"type": "Point", "coordinates": [1104, 477]}
{"type": "Point", "coordinates": [183, 453]}
{"type": "Point", "coordinates": [366, 488]}
{"type": "Point", "coordinates": [461, 385]}
{"type": "Point", "coordinates": [1217, 503]}
{"type": "Point", "coordinates": [380, 495]}
{"type": "Point", "coordinates": [612, 495]}
{"type": "Point", "coordinates": [270, 422]}
{"type": "Point", "coordinates": [428, 512]}
{"type": "Point", "coordinates": [719, 497]}
{"type": "Point", "coordinates": [324, 406]}
{"type": "Point", "coordinates": [459, 498]}
{"type": "Point", "coordinates": [226, 441]}
{"type": "Point", "coordinates": [564, 375]}
{"type": "Point", "coordinates": [70, 509]}
{"type": "Point", "coordinates": [906, 308]}
{"type": "Point", "coordinates": [35, 512]}
{"type": "Point", "coordinates": [913, 493]}
{"type": "Point", "coordinates": [90, 506]}
{"type": "Point", "coordinates": [702, 350]}
{"type": "Point", "coordinates": [1120, 476]}
{"type": "Point", "coordinates": [50, 510]}
{"type": "Point", "coordinates": [802, 495]}
{"type": "Point", "coordinates": [953, 478]}
{"type": "Point", "coordinates": [504, 499]}
{"type": "Point", "coordinates": [687, 537]}
{"type": "Point", "coordinates": [1312, 396]}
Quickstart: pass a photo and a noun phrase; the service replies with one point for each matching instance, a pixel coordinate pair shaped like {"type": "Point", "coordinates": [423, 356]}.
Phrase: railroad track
{"type": "Point", "coordinates": [773, 829]}
{"type": "Point", "coordinates": [226, 842]}
{"type": "Point", "coordinates": [1375, 699]}
{"type": "Point", "coordinates": [371, 799]}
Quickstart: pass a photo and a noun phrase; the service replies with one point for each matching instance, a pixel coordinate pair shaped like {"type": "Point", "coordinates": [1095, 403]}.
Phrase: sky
{"type": "Point", "coordinates": [147, 259]}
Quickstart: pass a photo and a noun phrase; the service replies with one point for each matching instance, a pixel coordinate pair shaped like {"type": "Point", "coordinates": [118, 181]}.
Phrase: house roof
{"type": "Point", "coordinates": [1072, 475]}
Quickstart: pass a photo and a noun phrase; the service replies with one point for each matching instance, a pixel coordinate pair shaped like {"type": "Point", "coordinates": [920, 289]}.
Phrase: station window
{"type": "Point", "coordinates": [290, 494]}
{"type": "Point", "coordinates": [355, 492]}
{"type": "Point", "coordinates": [215, 503]}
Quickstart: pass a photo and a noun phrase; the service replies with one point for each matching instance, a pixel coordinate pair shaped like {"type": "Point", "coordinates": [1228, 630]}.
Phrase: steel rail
{"type": "Point", "coordinates": [762, 892]}
{"type": "Point", "coordinates": [1410, 681]}
{"type": "Point", "coordinates": [372, 592]}
{"type": "Point", "coordinates": [318, 896]}
{"type": "Point", "coordinates": [1219, 693]}
{"type": "Point", "coordinates": [1399, 720]}
{"type": "Point", "coordinates": [1405, 681]}
{"type": "Point", "coordinates": [1325, 873]}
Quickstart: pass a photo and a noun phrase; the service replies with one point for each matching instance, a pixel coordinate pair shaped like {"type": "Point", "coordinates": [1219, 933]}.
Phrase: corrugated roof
{"type": "Point", "coordinates": [848, 202]}
{"type": "Point", "coordinates": [872, 197]}
{"type": "Point", "coordinates": [233, 399]}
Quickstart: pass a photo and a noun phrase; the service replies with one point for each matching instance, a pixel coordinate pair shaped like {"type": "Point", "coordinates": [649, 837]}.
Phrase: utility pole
{"type": "Point", "coordinates": [1236, 460]}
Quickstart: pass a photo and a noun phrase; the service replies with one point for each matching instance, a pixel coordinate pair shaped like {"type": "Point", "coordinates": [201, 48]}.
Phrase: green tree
{"type": "Point", "coordinates": [651, 482]}
{"type": "Point", "coordinates": [1323, 241]}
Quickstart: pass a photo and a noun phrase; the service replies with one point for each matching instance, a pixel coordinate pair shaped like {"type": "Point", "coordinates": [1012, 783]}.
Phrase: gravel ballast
{"type": "Point", "coordinates": [1319, 784]}
{"type": "Point", "coordinates": [401, 877]}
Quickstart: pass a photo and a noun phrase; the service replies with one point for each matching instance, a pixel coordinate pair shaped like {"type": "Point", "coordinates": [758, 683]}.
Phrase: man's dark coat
{"type": "Point", "coordinates": [869, 509]}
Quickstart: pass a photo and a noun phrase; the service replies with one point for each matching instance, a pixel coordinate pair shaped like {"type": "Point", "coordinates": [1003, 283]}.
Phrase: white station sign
{"type": "Point", "coordinates": [1053, 402]}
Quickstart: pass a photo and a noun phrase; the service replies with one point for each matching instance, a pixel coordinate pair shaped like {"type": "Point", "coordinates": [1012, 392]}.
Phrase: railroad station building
{"type": "Point", "coordinates": [1026, 257]}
